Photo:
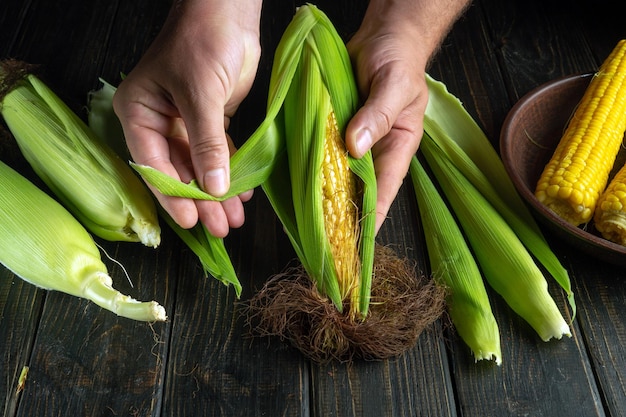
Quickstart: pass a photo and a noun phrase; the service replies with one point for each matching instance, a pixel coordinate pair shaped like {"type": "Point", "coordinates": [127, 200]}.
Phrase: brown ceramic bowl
{"type": "Point", "coordinates": [529, 136]}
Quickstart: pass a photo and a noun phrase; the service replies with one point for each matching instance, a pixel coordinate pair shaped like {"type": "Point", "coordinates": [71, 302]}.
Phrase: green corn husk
{"type": "Point", "coordinates": [458, 135]}
{"type": "Point", "coordinates": [315, 91]}
{"type": "Point", "coordinates": [453, 263]}
{"type": "Point", "coordinates": [103, 121]}
{"type": "Point", "coordinates": [42, 243]}
{"type": "Point", "coordinates": [504, 260]}
{"type": "Point", "coordinates": [92, 182]}
{"type": "Point", "coordinates": [210, 250]}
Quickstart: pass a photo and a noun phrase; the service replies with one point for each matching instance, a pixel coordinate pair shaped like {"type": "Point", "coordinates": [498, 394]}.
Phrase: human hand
{"type": "Point", "coordinates": [390, 52]}
{"type": "Point", "coordinates": [175, 105]}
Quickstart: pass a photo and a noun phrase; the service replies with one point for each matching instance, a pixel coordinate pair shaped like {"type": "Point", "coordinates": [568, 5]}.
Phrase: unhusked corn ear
{"type": "Point", "coordinates": [326, 201]}
{"type": "Point", "coordinates": [340, 209]}
{"type": "Point", "coordinates": [42, 243]}
{"type": "Point", "coordinates": [453, 264]}
{"type": "Point", "coordinates": [578, 171]}
{"type": "Point", "coordinates": [610, 214]}
{"type": "Point", "coordinates": [93, 183]}
{"type": "Point", "coordinates": [449, 124]}
{"type": "Point", "coordinates": [506, 264]}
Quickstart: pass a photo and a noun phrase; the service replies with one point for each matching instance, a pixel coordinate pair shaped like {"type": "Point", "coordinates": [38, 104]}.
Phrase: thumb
{"type": "Point", "coordinates": [374, 120]}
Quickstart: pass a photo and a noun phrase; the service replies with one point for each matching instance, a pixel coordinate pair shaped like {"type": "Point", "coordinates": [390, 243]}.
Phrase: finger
{"type": "Point", "coordinates": [208, 145]}
{"type": "Point", "coordinates": [392, 157]}
{"type": "Point", "coordinates": [233, 207]}
{"type": "Point", "coordinates": [213, 217]}
{"type": "Point", "coordinates": [246, 196]}
{"type": "Point", "coordinates": [142, 127]}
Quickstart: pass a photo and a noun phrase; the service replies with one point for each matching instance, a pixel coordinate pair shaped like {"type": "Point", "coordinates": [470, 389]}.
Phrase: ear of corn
{"type": "Point", "coordinates": [41, 242]}
{"type": "Point", "coordinates": [610, 213]}
{"type": "Point", "coordinates": [452, 263]}
{"type": "Point", "coordinates": [326, 203]}
{"type": "Point", "coordinates": [504, 261]}
{"type": "Point", "coordinates": [458, 135]}
{"type": "Point", "coordinates": [89, 179]}
{"type": "Point", "coordinates": [210, 250]}
{"type": "Point", "coordinates": [578, 171]}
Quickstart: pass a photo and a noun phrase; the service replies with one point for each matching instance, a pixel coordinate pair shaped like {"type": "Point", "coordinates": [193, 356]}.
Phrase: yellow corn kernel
{"type": "Point", "coordinates": [610, 215]}
{"type": "Point", "coordinates": [340, 211]}
{"type": "Point", "coordinates": [578, 171]}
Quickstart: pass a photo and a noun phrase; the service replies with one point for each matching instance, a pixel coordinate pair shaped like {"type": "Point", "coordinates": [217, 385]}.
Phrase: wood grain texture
{"type": "Point", "coordinates": [85, 361]}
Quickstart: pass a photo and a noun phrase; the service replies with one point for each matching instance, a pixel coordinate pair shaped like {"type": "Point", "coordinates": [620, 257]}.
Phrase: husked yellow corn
{"type": "Point", "coordinates": [340, 210]}
{"type": "Point", "coordinates": [610, 214]}
{"type": "Point", "coordinates": [578, 172]}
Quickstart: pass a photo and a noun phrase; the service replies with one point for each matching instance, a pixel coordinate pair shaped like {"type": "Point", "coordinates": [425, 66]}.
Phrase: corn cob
{"type": "Point", "coordinates": [453, 263]}
{"type": "Point", "coordinates": [505, 262]}
{"type": "Point", "coordinates": [85, 174]}
{"type": "Point", "coordinates": [464, 143]}
{"type": "Point", "coordinates": [330, 191]}
{"type": "Point", "coordinates": [578, 171]}
{"type": "Point", "coordinates": [610, 214]}
{"type": "Point", "coordinates": [42, 243]}
{"type": "Point", "coordinates": [341, 215]}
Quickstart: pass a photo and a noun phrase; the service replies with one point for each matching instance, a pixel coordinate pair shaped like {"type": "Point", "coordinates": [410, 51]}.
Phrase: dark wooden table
{"type": "Point", "coordinates": [85, 361]}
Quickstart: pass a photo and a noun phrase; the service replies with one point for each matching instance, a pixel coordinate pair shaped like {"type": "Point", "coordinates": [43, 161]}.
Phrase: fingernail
{"type": "Point", "coordinates": [363, 141]}
{"type": "Point", "coordinates": [215, 182]}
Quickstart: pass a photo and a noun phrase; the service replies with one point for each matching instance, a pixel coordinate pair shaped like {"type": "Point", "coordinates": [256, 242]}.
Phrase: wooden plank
{"type": "Point", "coordinates": [20, 302]}
{"type": "Point", "coordinates": [214, 366]}
{"type": "Point", "coordinates": [11, 18]}
{"type": "Point", "coordinates": [125, 44]}
{"type": "Point", "coordinates": [20, 307]}
{"type": "Point", "coordinates": [600, 289]}
{"type": "Point", "coordinates": [66, 40]}
{"type": "Point", "coordinates": [87, 361]}
{"type": "Point", "coordinates": [536, 45]}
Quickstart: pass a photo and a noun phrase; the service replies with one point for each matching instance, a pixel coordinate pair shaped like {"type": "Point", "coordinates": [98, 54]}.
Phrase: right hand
{"type": "Point", "coordinates": [175, 105]}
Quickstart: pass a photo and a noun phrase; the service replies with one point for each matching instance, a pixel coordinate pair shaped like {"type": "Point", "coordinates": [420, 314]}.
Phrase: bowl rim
{"type": "Point", "coordinates": [527, 194]}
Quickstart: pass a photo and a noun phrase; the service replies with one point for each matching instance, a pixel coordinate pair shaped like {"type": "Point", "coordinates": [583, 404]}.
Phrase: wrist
{"type": "Point", "coordinates": [245, 14]}
{"type": "Point", "coordinates": [426, 21]}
